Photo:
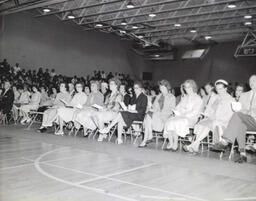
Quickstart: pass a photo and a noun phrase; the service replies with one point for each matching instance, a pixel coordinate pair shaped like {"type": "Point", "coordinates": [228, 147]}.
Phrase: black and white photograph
{"type": "Point", "coordinates": [127, 100]}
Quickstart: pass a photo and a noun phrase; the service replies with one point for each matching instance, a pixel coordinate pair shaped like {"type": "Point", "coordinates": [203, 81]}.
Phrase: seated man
{"type": "Point", "coordinates": [240, 122]}
{"type": "Point", "coordinates": [7, 99]}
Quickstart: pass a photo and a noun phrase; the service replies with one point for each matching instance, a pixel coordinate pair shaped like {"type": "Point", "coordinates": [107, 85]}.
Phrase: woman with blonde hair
{"type": "Point", "coordinates": [184, 116]}
{"type": "Point", "coordinates": [161, 110]}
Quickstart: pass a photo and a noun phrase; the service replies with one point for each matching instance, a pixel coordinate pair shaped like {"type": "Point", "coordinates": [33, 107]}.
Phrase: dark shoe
{"type": "Point", "coordinates": [167, 149]}
{"type": "Point", "coordinates": [149, 141]}
{"type": "Point", "coordinates": [42, 130]}
{"type": "Point", "coordinates": [185, 148]}
{"type": "Point", "coordinates": [174, 150]}
{"type": "Point", "coordinates": [142, 146]}
{"type": "Point", "coordinates": [241, 159]}
{"type": "Point", "coordinates": [219, 147]}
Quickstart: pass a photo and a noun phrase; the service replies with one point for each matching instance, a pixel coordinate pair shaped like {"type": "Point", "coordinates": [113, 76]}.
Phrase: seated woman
{"type": "Point", "coordinates": [96, 117]}
{"type": "Point", "coordinates": [45, 100]}
{"type": "Point", "coordinates": [185, 115]}
{"type": "Point", "coordinates": [32, 105]}
{"type": "Point", "coordinates": [111, 108]}
{"type": "Point", "coordinates": [50, 115]}
{"type": "Point", "coordinates": [218, 117]}
{"type": "Point", "coordinates": [135, 112]}
{"type": "Point", "coordinates": [65, 114]}
{"type": "Point", "coordinates": [94, 98]}
{"type": "Point", "coordinates": [161, 110]}
{"type": "Point", "coordinates": [23, 99]}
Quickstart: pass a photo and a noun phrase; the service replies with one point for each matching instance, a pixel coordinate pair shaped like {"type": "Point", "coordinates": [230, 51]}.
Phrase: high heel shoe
{"type": "Point", "coordinates": [142, 145]}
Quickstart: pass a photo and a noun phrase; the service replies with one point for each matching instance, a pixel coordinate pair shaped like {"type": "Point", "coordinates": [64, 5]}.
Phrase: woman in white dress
{"type": "Point", "coordinates": [66, 113]}
{"type": "Point", "coordinates": [50, 115]}
{"type": "Point", "coordinates": [185, 115]}
{"type": "Point", "coordinates": [216, 118]}
{"type": "Point", "coordinates": [33, 105]}
{"type": "Point", "coordinates": [161, 110]}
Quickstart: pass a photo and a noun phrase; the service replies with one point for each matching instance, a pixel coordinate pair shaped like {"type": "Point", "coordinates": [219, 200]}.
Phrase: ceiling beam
{"type": "Point", "coordinates": [169, 10]}
{"type": "Point", "coordinates": [136, 7]}
{"type": "Point", "coordinates": [197, 21]}
{"type": "Point", "coordinates": [218, 31]}
{"type": "Point", "coordinates": [191, 26]}
{"type": "Point", "coordinates": [194, 15]}
{"type": "Point", "coordinates": [80, 8]}
{"type": "Point", "coordinates": [30, 5]}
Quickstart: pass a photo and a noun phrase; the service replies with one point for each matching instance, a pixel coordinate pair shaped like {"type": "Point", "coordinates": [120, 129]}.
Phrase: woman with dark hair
{"type": "Point", "coordinates": [134, 112]}
{"type": "Point", "coordinates": [161, 110]}
{"type": "Point", "coordinates": [184, 116]}
{"type": "Point", "coordinates": [50, 114]}
{"type": "Point", "coordinates": [217, 119]}
{"type": "Point", "coordinates": [33, 105]}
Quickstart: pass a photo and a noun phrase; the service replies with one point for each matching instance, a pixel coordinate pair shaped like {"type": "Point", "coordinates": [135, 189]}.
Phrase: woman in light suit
{"type": "Point", "coordinates": [218, 116]}
{"type": "Point", "coordinates": [185, 115]}
{"type": "Point", "coordinates": [161, 110]}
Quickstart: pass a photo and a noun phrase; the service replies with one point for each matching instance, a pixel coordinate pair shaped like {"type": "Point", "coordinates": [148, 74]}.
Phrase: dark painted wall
{"type": "Point", "coordinates": [50, 43]}
{"type": "Point", "coordinates": [218, 63]}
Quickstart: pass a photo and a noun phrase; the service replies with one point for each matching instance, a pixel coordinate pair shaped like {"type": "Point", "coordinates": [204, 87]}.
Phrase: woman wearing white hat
{"type": "Point", "coordinates": [218, 117]}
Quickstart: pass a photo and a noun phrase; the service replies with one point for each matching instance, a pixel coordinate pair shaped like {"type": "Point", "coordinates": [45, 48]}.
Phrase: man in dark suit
{"type": "Point", "coordinates": [7, 99]}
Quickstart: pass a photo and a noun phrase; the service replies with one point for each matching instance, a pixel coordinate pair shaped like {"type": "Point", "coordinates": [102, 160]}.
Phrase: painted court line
{"type": "Point", "coordinates": [17, 166]}
{"type": "Point", "coordinates": [112, 179]}
{"type": "Point", "coordinates": [117, 173]}
{"type": "Point", "coordinates": [161, 197]}
{"type": "Point", "coordinates": [97, 190]}
{"type": "Point", "coordinates": [243, 198]}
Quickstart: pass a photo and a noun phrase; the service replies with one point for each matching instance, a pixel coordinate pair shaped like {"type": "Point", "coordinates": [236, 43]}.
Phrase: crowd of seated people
{"type": "Point", "coordinates": [102, 101]}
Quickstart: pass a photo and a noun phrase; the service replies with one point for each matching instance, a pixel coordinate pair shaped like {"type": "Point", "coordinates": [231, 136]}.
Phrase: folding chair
{"type": "Point", "coordinates": [158, 135]}
{"type": "Point", "coordinates": [181, 140]}
{"type": "Point", "coordinates": [33, 115]}
{"type": "Point", "coordinates": [136, 130]}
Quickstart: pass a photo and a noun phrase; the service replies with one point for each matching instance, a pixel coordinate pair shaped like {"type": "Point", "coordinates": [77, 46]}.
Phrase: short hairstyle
{"type": "Point", "coordinates": [192, 83]}
{"type": "Point", "coordinates": [210, 84]}
{"type": "Point", "coordinates": [165, 83]}
{"type": "Point", "coordinates": [95, 82]}
{"type": "Point", "coordinates": [139, 83]}
{"type": "Point", "coordinates": [66, 85]}
{"type": "Point", "coordinates": [116, 80]}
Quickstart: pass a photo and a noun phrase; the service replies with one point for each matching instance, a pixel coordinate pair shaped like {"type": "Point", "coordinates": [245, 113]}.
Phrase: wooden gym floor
{"type": "Point", "coordinates": [39, 167]}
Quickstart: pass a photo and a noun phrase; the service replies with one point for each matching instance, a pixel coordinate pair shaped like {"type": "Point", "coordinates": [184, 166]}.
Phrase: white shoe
{"type": "Point", "coordinates": [23, 121]}
{"type": "Point", "coordinates": [28, 120]}
{"type": "Point", "coordinates": [104, 130]}
{"type": "Point", "coordinates": [102, 137]}
{"type": "Point", "coordinates": [59, 133]}
{"type": "Point", "coordinates": [119, 141]}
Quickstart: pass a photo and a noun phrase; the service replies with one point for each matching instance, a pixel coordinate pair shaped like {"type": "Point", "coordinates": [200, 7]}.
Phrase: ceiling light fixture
{"type": "Point", "coordinates": [46, 10]}
{"type": "Point", "coordinates": [177, 25]}
{"type": "Point", "coordinates": [71, 16]}
{"type": "Point", "coordinates": [248, 23]}
{"type": "Point", "coordinates": [130, 5]}
{"type": "Point", "coordinates": [140, 36]}
{"type": "Point", "coordinates": [124, 23]}
{"type": "Point", "coordinates": [207, 37]}
{"type": "Point", "coordinates": [193, 30]}
{"type": "Point", "coordinates": [231, 5]}
{"type": "Point", "coordinates": [135, 27]}
{"type": "Point", "coordinates": [247, 17]}
{"type": "Point", "coordinates": [122, 31]}
{"type": "Point", "coordinates": [152, 15]}
{"type": "Point", "coordinates": [156, 55]}
{"type": "Point", "coordinates": [99, 25]}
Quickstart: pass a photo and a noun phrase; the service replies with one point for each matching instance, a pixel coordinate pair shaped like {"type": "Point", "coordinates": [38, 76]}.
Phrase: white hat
{"type": "Point", "coordinates": [221, 81]}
